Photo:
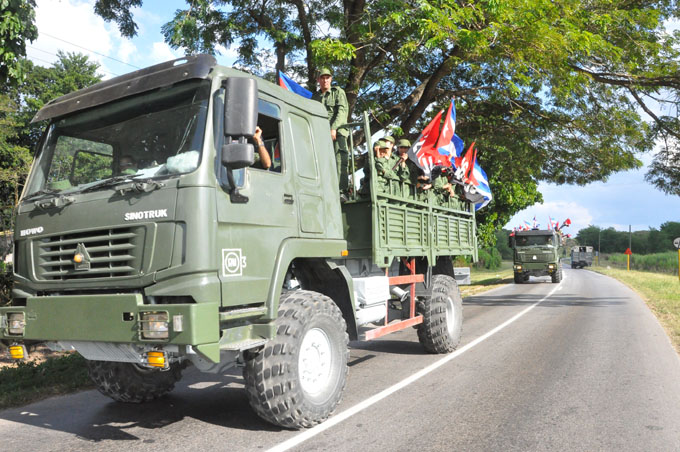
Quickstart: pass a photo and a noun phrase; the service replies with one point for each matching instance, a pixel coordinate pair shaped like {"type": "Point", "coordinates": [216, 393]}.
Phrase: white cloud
{"type": "Point", "coordinates": [125, 50]}
{"type": "Point", "coordinates": [69, 26]}
{"type": "Point", "coordinates": [226, 56]}
{"type": "Point", "coordinates": [72, 26]}
{"type": "Point", "coordinates": [161, 52]}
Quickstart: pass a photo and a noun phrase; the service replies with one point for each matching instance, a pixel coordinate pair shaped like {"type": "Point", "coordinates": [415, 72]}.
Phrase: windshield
{"type": "Point", "coordinates": [534, 240]}
{"type": "Point", "coordinates": [153, 135]}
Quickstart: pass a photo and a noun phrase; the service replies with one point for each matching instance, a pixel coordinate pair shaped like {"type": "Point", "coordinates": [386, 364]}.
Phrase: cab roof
{"type": "Point", "coordinates": [160, 75]}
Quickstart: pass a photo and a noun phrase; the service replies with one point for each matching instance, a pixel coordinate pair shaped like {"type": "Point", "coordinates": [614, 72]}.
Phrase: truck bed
{"type": "Point", "coordinates": [389, 225]}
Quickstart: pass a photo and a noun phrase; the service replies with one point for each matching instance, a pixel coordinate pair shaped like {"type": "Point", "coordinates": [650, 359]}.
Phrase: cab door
{"type": "Point", "coordinates": [250, 233]}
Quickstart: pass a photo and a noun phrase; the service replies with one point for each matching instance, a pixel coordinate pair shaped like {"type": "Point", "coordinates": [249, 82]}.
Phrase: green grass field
{"type": "Point", "coordinates": [660, 291]}
{"type": "Point", "coordinates": [483, 280]}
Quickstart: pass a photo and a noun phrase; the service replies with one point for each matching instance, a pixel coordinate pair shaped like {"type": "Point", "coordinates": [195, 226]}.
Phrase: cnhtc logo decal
{"type": "Point", "coordinates": [233, 262]}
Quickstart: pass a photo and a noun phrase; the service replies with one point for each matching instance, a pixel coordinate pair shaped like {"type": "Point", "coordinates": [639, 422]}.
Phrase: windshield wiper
{"type": "Point", "coordinates": [107, 182]}
{"type": "Point", "coordinates": [41, 193]}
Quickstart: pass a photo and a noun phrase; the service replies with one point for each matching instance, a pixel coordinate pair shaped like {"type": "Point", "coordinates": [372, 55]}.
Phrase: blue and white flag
{"type": "Point", "coordinates": [289, 84]}
{"type": "Point", "coordinates": [482, 186]}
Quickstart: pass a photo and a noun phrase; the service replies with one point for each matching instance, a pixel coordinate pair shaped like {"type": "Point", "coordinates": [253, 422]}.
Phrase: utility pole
{"type": "Point", "coordinates": [630, 238]}
{"type": "Point", "coordinates": [599, 231]}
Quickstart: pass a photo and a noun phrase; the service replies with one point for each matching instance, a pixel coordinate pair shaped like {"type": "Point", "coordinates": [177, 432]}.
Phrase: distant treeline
{"type": "Point", "coordinates": [611, 241]}
{"type": "Point", "coordinates": [642, 242]}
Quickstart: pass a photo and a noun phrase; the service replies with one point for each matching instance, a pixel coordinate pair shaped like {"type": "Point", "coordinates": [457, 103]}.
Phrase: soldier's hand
{"type": "Point", "coordinates": [334, 134]}
{"type": "Point", "coordinates": [257, 135]}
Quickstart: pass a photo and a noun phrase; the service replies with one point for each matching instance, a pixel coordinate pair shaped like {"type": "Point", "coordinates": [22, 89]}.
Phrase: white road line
{"type": "Point", "coordinates": [312, 432]}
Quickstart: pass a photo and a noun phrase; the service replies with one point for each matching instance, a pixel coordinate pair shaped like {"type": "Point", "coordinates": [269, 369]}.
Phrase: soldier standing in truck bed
{"type": "Point", "coordinates": [335, 101]}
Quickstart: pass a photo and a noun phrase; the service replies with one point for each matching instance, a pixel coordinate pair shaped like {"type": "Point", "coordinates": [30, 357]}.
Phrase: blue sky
{"type": "Point", "coordinates": [70, 25]}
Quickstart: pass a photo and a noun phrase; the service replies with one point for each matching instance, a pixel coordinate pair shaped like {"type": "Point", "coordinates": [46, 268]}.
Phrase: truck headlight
{"type": "Point", "coordinates": [16, 323]}
{"type": "Point", "coordinates": [154, 325]}
{"type": "Point", "coordinates": [518, 267]}
{"type": "Point", "coordinates": [551, 266]}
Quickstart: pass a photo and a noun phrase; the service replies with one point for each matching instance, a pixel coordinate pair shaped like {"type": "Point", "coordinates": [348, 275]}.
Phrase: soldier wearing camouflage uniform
{"type": "Point", "coordinates": [335, 101]}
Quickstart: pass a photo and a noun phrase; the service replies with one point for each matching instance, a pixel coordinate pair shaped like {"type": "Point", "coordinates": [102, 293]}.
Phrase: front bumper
{"type": "Point", "coordinates": [110, 318]}
{"type": "Point", "coordinates": [536, 268]}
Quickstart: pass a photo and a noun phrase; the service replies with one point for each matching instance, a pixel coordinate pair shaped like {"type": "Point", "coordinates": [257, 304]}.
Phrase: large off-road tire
{"type": "Point", "coordinates": [297, 380]}
{"type": "Point", "coordinates": [519, 278]}
{"type": "Point", "coordinates": [442, 314]}
{"type": "Point", "coordinates": [557, 275]}
{"type": "Point", "coordinates": [127, 382]}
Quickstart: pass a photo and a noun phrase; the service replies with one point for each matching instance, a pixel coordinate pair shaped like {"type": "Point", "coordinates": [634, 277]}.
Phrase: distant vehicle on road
{"type": "Point", "coordinates": [581, 256]}
{"type": "Point", "coordinates": [536, 253]}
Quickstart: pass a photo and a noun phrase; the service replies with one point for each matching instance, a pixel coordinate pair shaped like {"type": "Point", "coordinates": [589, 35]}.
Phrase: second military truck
{"type": "Point", "coordinates": [536, 253]}
{"type": "Point", "coordinates": [148, 238]}
{"type": "Point", "coordinates": [581, 256]}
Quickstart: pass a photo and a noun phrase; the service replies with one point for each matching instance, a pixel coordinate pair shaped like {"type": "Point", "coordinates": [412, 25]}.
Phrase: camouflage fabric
{"type": "Point", "coordinates": [337, 107]}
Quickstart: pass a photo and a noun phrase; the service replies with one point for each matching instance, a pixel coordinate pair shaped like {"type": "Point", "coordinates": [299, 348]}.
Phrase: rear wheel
{"type": "Point", "coordinates": [442, 314]}
{"type": "Point", "coordinates": [128, 382]}
{"type": "Point", "coordinates": [297, 380]}
{"type": "Point", "coordinates": [519, 279]}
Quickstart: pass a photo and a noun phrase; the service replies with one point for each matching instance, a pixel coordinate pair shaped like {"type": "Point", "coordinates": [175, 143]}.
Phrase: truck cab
{"type": "Point", "coordinates": [536, 253]}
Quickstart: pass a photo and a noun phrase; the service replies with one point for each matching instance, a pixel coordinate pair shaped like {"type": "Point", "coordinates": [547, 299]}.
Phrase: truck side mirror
{"type": "Point", "coordinates": [238, 154]}
{"type": "Point", "coordinates": [240, 121]}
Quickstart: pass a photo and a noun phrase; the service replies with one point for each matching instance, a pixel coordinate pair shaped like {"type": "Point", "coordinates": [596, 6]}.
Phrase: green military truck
{"type": "Point", "coordinates": [149, 237]}
{"type": "Point", "coordinates": [536, 253]}
{"type": "Point", "coordinates": [581, 256]}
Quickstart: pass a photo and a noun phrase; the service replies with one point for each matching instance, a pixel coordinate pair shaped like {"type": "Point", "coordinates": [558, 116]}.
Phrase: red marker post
{"type": "Point", "coordinates": [628, 252]}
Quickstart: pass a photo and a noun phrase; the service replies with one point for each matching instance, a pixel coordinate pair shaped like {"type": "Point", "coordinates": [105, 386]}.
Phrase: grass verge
{"type": "Point", "coordinates": [660, 291]}
{"type": "Point", "coordinates": [28, 381]}
{"type": "Point", "coordinates": [483, 280]}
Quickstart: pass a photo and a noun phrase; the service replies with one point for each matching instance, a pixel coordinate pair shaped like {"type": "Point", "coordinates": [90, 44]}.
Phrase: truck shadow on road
{"type": "Point", "coordinates": [561, 300]}
{"type": "Point", "coordinates": [93, 418]}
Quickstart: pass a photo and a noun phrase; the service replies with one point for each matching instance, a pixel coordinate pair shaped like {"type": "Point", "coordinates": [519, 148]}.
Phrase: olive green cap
{"type": "Point", "coordinates": [404, 143]}
{"type": "Point", "coordinates": [382, 144]}
{"type": "Point", "coordinates": [325, 71]}
{"type": "Point", "coordinates": [389, 138]}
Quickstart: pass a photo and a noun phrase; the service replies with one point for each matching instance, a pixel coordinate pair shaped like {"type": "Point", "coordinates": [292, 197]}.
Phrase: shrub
{"type": "Point", "coordinates": [489, 258]}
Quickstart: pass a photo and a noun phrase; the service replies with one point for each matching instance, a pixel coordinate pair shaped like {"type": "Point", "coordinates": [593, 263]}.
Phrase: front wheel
{"type": "Point", "coordinates": [127, 382]}
{"type": "Point", "coordinates": [557, 275]}
{"type": "Point", "coordinates": [519, 278]}
{"type": "Point", "coordinates": [297, 380]}
{"type": "Point", "coordinates": [442, 314]}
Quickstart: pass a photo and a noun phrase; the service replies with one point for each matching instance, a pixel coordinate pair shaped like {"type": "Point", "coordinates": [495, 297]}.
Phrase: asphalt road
{"type": "Point", "coordinates": [582, 365]}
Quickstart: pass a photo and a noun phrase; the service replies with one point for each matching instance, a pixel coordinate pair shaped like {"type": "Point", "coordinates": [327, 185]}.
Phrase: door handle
{"type": "Point", "coordinates": [287, 199]}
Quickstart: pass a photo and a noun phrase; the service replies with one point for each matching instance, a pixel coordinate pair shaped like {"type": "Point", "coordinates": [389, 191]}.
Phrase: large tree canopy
{"type": "Point", "coordinates": [549, 89]}
{"type": "Point", "coordinates": [16, 27]}
{"type": "Point", "coordinates": [71, 72]}
{"type": "Point", "coordinates": [18, 137]}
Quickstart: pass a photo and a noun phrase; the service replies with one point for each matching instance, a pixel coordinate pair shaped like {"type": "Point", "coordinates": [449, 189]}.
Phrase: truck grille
{"type": "Point", "coordinates": [113, 253]}
{"type": "Point", "coordinates": [540, 257]}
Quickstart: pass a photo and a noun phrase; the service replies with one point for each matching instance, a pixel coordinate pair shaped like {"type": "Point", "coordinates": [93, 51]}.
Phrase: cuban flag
{"type": "Point", "coordinates": [424, 152]}
{"type": "Point", "coordinates": [450, 144]}
{"type": "Point", "coordinates": [465, 164]}
{"type": "Point", "coordinates": [289, 84]}
{"type": "Point", "coordinates": [550, 222]}
{"type": "Point", "coordinates": [479, 175]}
{"type": "Point", "coordinates": [527, 226]}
